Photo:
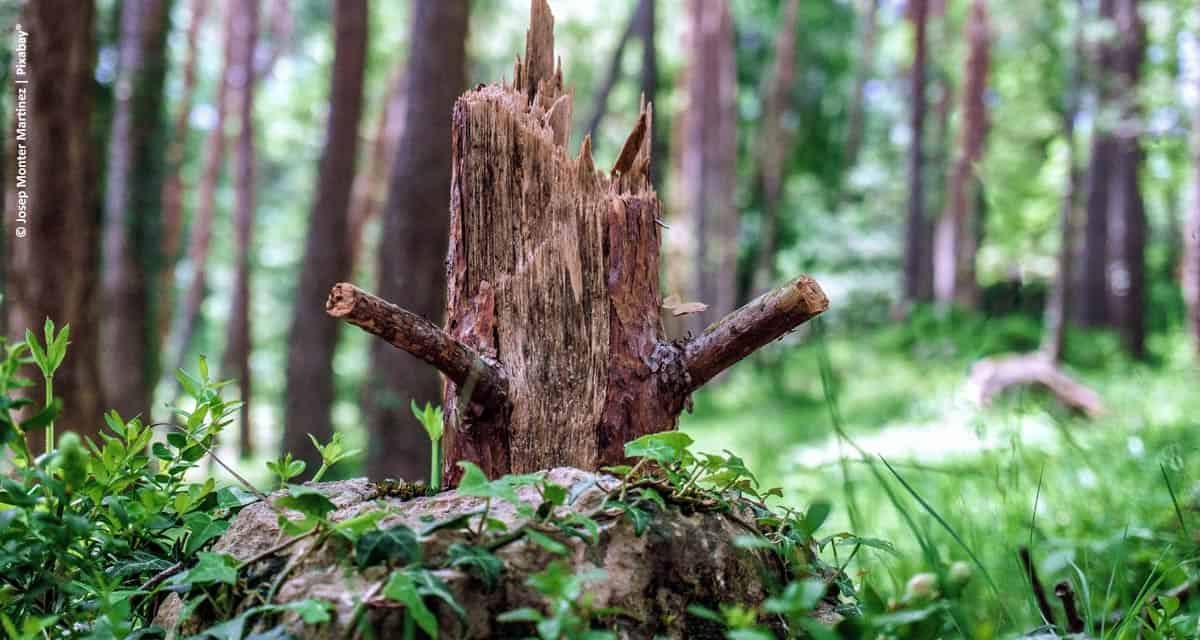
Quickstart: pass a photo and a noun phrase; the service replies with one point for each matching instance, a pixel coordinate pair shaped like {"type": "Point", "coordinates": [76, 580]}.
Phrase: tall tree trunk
{"type": "Point", "coordinates": [917, 281]}
{"type": "Point", "coordinates": [370, 186]}
{"type": "Point", "coordinates": [1060, 302]}
{"type": "Point", "coordinates": [1191, 235]}
{"type": "Point", "coordinates": [172, 191]}
{"type": "Point", "coordinates": [53, 234]}
{"type": "Point", "coordinates": [554, 350]}
{"type": "Point", "coordinates": [131, 209]}
{"type": "Point", "coordinates": [238, 341]}
{"type": "Point", "coordinates": [200, 235]}
{"type": "Point", "coordinates": [646, 32]}
{"type": "Point", "coordinates": [775, 142]}
{"type": "Point", "coordinates": [866, 62]}
{"type": "Point", "coordinates": [600, 103]}
{"type": "Point", "coordinates": [954, 250]}
{"type": "Point", "coordinates": [313, 337]}
{"type": "Point", "coordinates": [704, 232]}
{"type": "Point", "coordinates": [1127, 213]}
{"type": "Point", "coordinates": [415, 226]}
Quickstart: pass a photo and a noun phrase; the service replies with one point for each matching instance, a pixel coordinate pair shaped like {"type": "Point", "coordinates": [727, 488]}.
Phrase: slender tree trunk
{"type": "Point", "coordinates": [52, 250]}
{"type": "Point", "coordinates": [313, 338]}
{"type": "Point", "coordinates": [370, 186]}
{"type": "Point", "coordinates": [776, 142]}
{"type": "Point", "coordinates": [704, 233]}
{"type": "Point", "coordinates": [1060, 302]}
{"type": "Point", "coordinates": [866, 62]}
{"type": "Point", "coordinates": [1191, 235]}
{"type": "Point", "coordinates": [917, 287]}
{"type": "Point", "coordinates": [132, 208]}
{"type": "Point", "coordinates": [600, 104]}
{"type": "Point", "coordinates": [238, 340]}
{"type": "Point", "coordinates": [172, 191]}
{"type": "Point", "coordinates": [200, 235]}
{"type": "Point", "coordinates": [646, 32]}
{"type": "Point", "coordinates": [954, 251]}
{"type": "Point", "coordinates": [415, 228]}
{"type": "Point", "coordinates": [1127, 213]}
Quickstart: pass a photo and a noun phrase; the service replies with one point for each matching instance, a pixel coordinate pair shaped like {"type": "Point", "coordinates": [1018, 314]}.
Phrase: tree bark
{"type": "Point", "coordinates": [954, 259]}
{"type": "Point", "coordinates": [238, 340]}
{"type": "Point", "coordinates": [370, 186]}
{"type": "Point", "coordinates": [1127, 213]}
{"type": "Point", "coordinates": [172, 188]}
{"type": "Point", "coordinates": [917, 286]}
{"type": "Point", "coordinates": [646, 32]}
{"type": "Point", "coordinates": [1191, 236]}
{"type": "Point", "coordinates": [52, 268]}
{"type": "Point", "coordinates": [313, 339]}
{"type": "Point", "coordinates": [554, 349]}
{"type": "Point", "coordinates": [200, 235]}
{"type": "Point", "coordinates": [704, 230]}
{"type": "Point", "coordinates": [866, 62]}
{"type": "Point", "coordinates": [131, 209]}
{"type": "Point", "coordinates": [1061, 300]}
{"type": "Point", "coordinates": [775, 142]}
{"type": "Point", "coordinates": [415, 225]}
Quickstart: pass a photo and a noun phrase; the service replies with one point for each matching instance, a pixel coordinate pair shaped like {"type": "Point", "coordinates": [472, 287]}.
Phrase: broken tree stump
{"type": "Point", "coordinates": [553, 347]}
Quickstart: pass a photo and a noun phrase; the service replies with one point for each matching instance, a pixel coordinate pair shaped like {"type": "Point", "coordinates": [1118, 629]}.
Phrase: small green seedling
{"type": "Point", "coordinates": [48, 356]}
{"type": "Point", "coordinates": [431, 418]}
{"type": "Point", "coordinates": [331, 454]}
{"type": "Point", "coordinates": [285, 468]}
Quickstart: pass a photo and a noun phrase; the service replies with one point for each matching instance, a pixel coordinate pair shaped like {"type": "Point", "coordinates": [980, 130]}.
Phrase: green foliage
{"type": "Point", "coordinates": [285, 468]}
{"type": "Point", "coordinates": [569, 613]}
{"type": "Point", "coordinates": [331, 453]}
{"type": "Point", "coordinates": [431, 418]}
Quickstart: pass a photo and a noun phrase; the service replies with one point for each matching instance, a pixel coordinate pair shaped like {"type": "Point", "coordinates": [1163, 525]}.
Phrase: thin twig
{"type": "Point", "coordinates": [1039, 592]}
{"type": "Point", "coordinates": [1067, 596]}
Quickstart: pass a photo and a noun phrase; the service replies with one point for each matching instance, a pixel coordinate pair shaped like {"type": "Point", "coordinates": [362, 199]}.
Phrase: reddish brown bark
{"type": "Point", "coordinates": [131, 208]}
{"type": "Point", "coordinates": [172, 191]}
{"type": "Point", "coordinates": [238, 341]}
{"type": "Point", "coordinates": [313, 339]}
{"type": "Point", "coordinates": [954, 250]}
{"type": "Point", "coordinates": [415, 223]}
{"type": "Point", "coordinates": [775, 141]}
{"type": "Point", "coordinates": [51, 269]}
{"type": "Point", "coordinates": [704, 224]}
{"type": "Point", "coordinates": [554, 329]}
{"type": "Point", "coordinates": [917, 283]}
{"type": "Point", "coordinates": [200, 235]}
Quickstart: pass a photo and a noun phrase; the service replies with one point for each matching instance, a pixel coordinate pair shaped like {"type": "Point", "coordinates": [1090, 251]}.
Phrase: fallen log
{"type": "Point", "coordinates": [992, 376]}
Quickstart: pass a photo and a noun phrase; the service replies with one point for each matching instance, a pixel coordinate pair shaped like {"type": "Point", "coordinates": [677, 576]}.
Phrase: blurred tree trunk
{"type": "Point", "coordinates": [704, 230]}
{"type": "Point", "coordinates": [600, 103]}
{"type": "Point", "coordinates": [1127, 212]}
{"type": "Point", "coordinates": [954, 250]}
{"type": "Point", "coordinates": [132, 213]}
{"type": "Point", "coordinates": [918, 285]}
{"type": "Point", "coordinates": [52, 268]}
{"type": "Point", "coordinates": [200, 235]}
{"type": "Point", "coordinates": [775, 142]}
{"type": "Point", "coordinates": [1191, 237]}
{"type": "Point", "coordinates": [415, 233]}
{"type": "Point", "coordinates": [172, 188]}
{"type": "Point", "coordinates": [370, 186]}
{"type": "Point", "coordinates": [313, 338]}
{"type": "Point", "coordinates": [1060, 302]}
{"type": "Point", "coordinates": [866, 62]}
{"type": "Point", "coordinates": [646, 32]}
{"type": "Point", "coordinates": [236, 359]}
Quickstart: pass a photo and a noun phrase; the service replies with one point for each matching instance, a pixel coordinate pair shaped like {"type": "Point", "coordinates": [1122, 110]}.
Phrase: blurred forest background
{"type": "Point", "coordinates": [966, 179]}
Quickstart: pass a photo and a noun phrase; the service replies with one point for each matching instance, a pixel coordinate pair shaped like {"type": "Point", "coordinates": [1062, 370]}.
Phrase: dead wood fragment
{"type": "Point", "coordinates": [420, 337]}
{"type": "Point", "coordinates": [991, 376]}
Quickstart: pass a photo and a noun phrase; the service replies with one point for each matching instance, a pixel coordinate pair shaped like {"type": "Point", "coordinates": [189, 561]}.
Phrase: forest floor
{"type": "Point", "coordinates": [1109, 504]}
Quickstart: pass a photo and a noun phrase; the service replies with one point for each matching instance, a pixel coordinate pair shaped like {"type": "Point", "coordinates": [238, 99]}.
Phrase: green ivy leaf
{"type": "Point", "coordinates": [478, 562]}
{"type": "Point", "coordinates": [202, 528]}
{"type": "Point", "coordinates": [395, 545]}
{"type": "Point", "coordinates": [817, 513]}
{"type": "Point", "coordinates": [307, 500]}
{"type": "Point", "coordinates": [402, 588]}
{"type": "Point", "coordinates": [210, 568]}
{"type": "Point", "coordinates": [546, 542]}
{"type": "Point", "coordinates": [665, 447]}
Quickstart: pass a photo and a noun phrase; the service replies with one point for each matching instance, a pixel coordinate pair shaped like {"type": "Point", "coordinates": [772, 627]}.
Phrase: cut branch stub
{"type": "Point", "coordinates": [420, 337]}
{"type": "Point", "coordinates": [552, 282]}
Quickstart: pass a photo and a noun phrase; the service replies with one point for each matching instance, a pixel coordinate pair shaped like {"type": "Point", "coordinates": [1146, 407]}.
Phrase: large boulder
{"type": "Point", "coordinates": [682, 555]}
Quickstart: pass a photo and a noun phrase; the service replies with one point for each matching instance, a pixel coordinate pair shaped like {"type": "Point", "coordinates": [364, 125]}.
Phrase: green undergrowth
{"type": "Point", "coordinates": [1107, 505]}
